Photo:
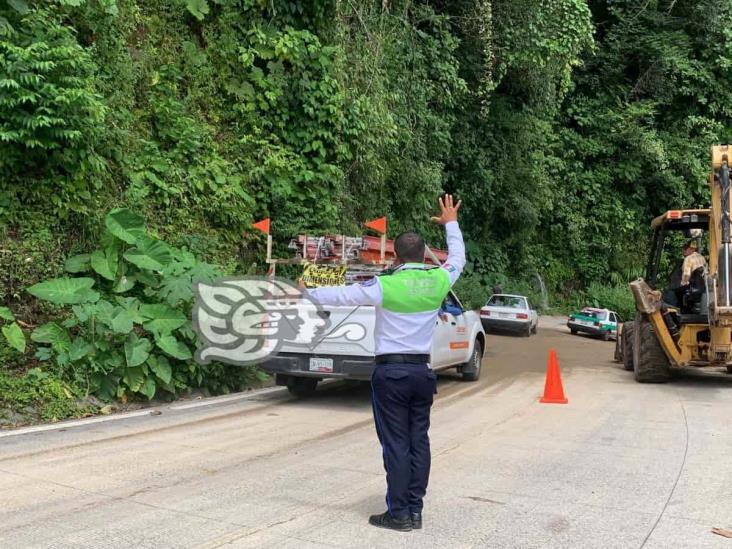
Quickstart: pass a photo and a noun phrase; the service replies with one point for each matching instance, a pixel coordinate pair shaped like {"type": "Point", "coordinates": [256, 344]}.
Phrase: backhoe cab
{"type": "Point", "coordinates": [685, 325]}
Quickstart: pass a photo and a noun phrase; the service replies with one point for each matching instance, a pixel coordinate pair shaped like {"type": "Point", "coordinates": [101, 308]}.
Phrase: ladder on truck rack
{"type": "Point", "coordinates": [364, 256]}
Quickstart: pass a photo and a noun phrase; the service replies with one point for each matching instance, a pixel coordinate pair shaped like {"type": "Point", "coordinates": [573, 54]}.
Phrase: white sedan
{"type": "Point", "coordinates": [509, 312]}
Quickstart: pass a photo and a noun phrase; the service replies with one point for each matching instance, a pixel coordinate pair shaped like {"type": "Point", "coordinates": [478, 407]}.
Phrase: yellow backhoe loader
{"type": "Point", "coordinates": [685, 325]}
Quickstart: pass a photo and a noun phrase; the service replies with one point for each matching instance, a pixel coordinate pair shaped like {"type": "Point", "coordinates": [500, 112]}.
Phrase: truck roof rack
{"type": "Point", "coordinates": [366, 255]}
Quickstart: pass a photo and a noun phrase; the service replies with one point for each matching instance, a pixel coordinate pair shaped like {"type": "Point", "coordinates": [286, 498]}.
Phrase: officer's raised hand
{"type": "Point", "coordinates": [448, 210]}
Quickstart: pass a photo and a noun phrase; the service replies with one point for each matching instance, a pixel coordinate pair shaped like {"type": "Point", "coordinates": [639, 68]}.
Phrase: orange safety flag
{"type": "Point", "coordinates": [377, 224]}
{"type": "Point", "coordinates": [262, 225]}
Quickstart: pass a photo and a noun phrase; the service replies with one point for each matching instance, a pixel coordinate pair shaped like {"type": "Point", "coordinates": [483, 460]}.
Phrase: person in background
{"type": "Point", "coordinates": [679, 279]}
{"type": "Point", "coordinates": [692, 261]}
{"type": "Point", "coordinates": [407, 302]}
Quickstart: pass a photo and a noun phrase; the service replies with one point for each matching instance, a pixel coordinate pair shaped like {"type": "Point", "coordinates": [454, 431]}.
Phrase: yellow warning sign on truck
{"type": "Point", "coordinates": [314, 276]}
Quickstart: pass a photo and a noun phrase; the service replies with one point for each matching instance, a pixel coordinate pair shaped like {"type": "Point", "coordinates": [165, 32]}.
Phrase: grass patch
{"type": "Point", "coordinates": [38, 396]}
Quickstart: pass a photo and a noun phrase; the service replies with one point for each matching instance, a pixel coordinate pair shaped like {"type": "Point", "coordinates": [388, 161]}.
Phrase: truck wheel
{"type": "Point", "coordinates": [471, 369]}
{"type": "Point", "coordinates": [650, 363]}
{"type": "Point", "coordinates": [605, 335]}
{"type": "Point", "coordinates": [302, 387]}
{"type": "Point", "coordinates": [626, 345]}
{"type": "Point", "coordinates": [527, 331]}
{"type": "Point", "coordinates": [573, 330]}
{"type": "Point", "coordinates": [535, 329]}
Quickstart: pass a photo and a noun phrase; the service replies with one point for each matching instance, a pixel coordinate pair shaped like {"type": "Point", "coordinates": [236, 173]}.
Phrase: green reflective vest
{"type": "Point", "coordinates": [414, 288]}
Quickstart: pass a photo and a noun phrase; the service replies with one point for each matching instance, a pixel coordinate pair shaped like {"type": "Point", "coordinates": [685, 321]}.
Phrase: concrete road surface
{"type": "Point", "coordinates": [621, 465]}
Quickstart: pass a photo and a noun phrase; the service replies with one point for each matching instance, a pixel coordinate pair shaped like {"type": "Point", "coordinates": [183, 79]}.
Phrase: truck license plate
{"type": "Point", "coordinates": [321, 364]}
{"type": "Point", "coordinates": [503, 315]}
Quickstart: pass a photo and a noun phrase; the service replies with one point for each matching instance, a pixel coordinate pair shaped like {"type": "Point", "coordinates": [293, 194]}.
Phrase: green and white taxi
{"type": "Point", "coordinates": [599, 322]}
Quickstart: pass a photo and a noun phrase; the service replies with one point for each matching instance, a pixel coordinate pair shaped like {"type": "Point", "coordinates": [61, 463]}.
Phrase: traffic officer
{"type": "Point", "coordinates": [407, 302]}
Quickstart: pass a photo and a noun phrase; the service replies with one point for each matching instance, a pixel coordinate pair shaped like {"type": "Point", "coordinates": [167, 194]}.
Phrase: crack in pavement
{"type": "Point", "coordinates": [678, 476]}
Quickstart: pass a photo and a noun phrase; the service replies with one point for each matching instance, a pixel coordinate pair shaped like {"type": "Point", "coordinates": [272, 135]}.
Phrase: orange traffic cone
{"type": "Point", "coordinates": [553, 390]}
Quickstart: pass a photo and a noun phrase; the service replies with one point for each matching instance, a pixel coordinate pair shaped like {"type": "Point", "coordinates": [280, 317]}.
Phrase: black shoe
{"type": "Point", "coordinates": [385, 520]}
{"type": "Point", "coordinates": [416, 520]}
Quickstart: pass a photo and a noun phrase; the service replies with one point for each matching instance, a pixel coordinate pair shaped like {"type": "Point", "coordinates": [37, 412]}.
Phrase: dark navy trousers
{"type": "Point", "coordinates": [402, 396]}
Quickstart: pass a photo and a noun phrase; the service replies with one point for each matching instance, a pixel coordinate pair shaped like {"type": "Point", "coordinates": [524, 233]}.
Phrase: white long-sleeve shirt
{"type": "Point", "coordinates": [407, 301]}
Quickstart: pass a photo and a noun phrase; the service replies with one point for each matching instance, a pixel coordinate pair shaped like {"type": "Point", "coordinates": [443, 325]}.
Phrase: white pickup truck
{"type": "Point", "coordinates": [346, 349]}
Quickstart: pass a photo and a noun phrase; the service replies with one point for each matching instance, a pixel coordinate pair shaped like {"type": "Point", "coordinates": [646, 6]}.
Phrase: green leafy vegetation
{"type": "Point", "coordinates": [128, 332]}
{"type": "Point", "coordinates": [565, 126]}
{"type": "Point", "coordinates": [11, 331]}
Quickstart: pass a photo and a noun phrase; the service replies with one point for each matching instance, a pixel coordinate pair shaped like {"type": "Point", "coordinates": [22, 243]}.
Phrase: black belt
{"type": "Point", "coordinates": [408, 359]}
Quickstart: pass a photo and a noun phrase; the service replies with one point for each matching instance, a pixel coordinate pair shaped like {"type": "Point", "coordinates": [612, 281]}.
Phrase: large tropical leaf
{"type": "Point", "coordinates": [14, 335]}
{"type": "Point", "coordinates": [134, 378]}
{"type": "Point", "coordinates": [21, 6]}
{"type": "Point", "coordinates": [198, 8]}
{"type": "Point", "coordinates": [78, 263]}
{"type": "Point", "coordinates": [121, 321]}
{"type": "Point", "coordinates": [125, 225]}
{"type": "Point", "coordinates": [175, 289]}
{"type": "Point", "coordinates": [103, 310]}
{"type": "Point", "coordinates": [80, 348]}
{"type": "Point", "coordinates": [147, 278]}
{"type": "Point", "coordinates": [149, 253]}
{"type": "Point", "coordinates": [6, 314]}
{"type": "Point", "coordinates": [43, 353]}
{"type": "Point", "coordinates": [161, 319]}
{"type": "Point", "coordinates": [132, 306]}
{"type": "Point", "coordinates": [204, 272]}
{"type": "Point", "coordinates": [54, 334]}
{"type": "Point", "coordinates": [65, 291]}
{"type": "Point", "coordinates": [161, 367]}
{"type": "Point", "coordinates": [136, 350]}
{"type": "Point", "coordinates": [173, 347]}
{"type": "Point", "coordinates": [105, 263]}
{"type": "Point", "coordinates": [106, 385]}
{"type": "Point", "coordinates": [124, 284]}
{"type": "Point", "coordinates": [110, 7]}
{"type": "Point", "coordinates": [148, 387]}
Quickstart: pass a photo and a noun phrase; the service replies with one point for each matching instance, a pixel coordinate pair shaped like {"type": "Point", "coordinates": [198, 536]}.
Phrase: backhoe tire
{"type": "Point", "coordinates": [626, 345]}
{"type": "Point", "coordinates": [650, 363]}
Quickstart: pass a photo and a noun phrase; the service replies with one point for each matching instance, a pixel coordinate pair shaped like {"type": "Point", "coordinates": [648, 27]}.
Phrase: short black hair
{"type": "Point", "coordinates": [409, 247]}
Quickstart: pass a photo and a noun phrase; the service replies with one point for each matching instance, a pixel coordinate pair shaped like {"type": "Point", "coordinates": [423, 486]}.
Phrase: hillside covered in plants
{"type": "Point", "coordinates": [139, 139]}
